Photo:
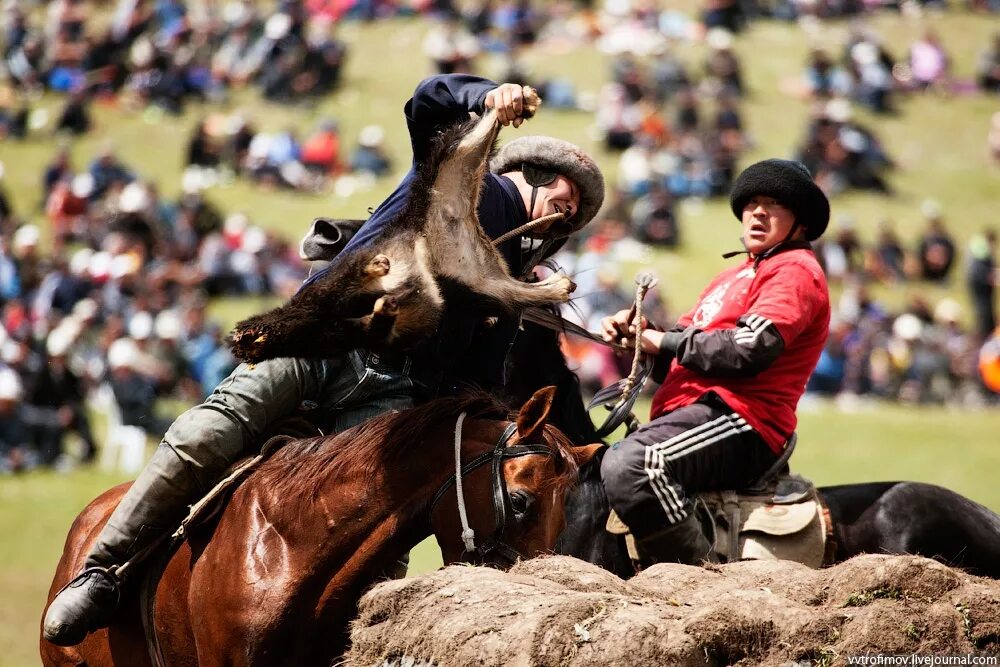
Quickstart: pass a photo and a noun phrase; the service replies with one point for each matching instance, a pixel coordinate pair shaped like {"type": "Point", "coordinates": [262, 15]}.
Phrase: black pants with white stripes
{"type": "Point", "coordinates": [700, 447]}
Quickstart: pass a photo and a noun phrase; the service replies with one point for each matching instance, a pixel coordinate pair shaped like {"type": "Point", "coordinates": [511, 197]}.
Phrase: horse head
{"type": "Point", "coordinates": [506, 502]}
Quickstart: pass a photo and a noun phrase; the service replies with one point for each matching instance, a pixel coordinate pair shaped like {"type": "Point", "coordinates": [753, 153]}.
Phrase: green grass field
{"type": "Point", "coordinates": [938, 143]}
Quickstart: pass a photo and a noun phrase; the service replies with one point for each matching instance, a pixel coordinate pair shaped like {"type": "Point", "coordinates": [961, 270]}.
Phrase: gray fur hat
{"type": "Point", "coordinates": [791, 184]}
{"type": "Point", "coordinates": [563, 158]}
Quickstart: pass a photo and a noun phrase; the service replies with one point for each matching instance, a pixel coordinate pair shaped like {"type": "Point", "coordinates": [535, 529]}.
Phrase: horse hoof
{"type": "Point", "coordinates": [378, 267]}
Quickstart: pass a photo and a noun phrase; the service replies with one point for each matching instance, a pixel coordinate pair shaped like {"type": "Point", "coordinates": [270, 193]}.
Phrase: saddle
{"type": "Point", "coordinates": [779, 517]}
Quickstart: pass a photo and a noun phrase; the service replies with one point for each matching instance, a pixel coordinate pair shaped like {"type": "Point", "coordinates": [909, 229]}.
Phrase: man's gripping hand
{"type": "Point", "coordinates": [620, 329]}
{"type": "Point", "coordinates": [513, 103]}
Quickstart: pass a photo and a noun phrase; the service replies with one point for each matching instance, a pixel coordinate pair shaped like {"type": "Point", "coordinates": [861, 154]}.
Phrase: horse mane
{"type": "Point", "coordinates": [301, 466]}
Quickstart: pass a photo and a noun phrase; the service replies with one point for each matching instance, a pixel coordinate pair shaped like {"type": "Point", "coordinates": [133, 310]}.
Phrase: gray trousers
{"type": "Point", "coordinates": [234, 422]}
{"type": "Point", "coordinates": [705, 446]}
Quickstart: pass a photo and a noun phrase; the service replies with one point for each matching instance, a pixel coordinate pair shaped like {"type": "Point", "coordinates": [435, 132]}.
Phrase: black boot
{"type": "Point", "coordinates": [150, 509]}
{"type": "Point", "coordinates": [683, 542]}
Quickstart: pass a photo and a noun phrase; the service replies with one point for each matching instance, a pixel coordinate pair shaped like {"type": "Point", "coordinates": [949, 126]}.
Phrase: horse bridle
{"type": "Point", "coordinates": [501, 498]}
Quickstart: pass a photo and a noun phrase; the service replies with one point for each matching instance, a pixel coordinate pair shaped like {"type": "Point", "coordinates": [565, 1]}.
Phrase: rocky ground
{"type": "Point", "coordinates": [562, 611]}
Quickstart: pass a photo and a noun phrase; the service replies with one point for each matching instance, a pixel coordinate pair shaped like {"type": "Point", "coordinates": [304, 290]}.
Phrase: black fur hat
{"type": "Point", "coordinates": [791, 184]}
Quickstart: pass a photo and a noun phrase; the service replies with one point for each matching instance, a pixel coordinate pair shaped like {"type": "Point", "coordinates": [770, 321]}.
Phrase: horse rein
{"type": "Point", "coordinates": [501, 498]}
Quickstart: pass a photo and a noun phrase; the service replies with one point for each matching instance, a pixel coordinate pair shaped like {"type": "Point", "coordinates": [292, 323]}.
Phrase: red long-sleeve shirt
{"type": "Point", "coordinates": [754, 338]}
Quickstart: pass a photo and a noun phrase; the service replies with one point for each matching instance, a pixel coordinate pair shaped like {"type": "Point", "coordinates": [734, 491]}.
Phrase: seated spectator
{"type": "Point", "coordinates": [323, 60]}
{"type": "Point", "coordinates": [842, 253]}
{"type": "Point", "coordinates": [828, 377]}
{"type": "Point", "coordinates": [135, 392]}
{"type": "Point", "coordinates": [321, 149]}
{"type": "Point", "coordinates": [982, 280]}
{"type": "Point", "coordinates": [654, 219]}
{"type": "Point", "coordinates": [873, 77]}
{"type": "Point", "coordinates": [60, 167]}
{"type": "Point", "coordinates": [450, 46]}
{"type": "Point", "coordinates": [936, 248]}
{"type": "Point", "coordinates": [59, 393]}
{"type": "Point", "coordinates": [929, 64]}
{"type": "Point", "coordinates": [75, 115]}
{"type": "Point", "coordinates": [993, 137]}
{"type": "Point", "coordinates": [988, 69]}
{"type": "Point", "coordinates": [6, 207]}
{"type": "Point", "coordinates": [617, 118]}
{"type": "Point", "coordinates": [824, 79]}
{"type": "Point", "coordinates": [722, 66]}
{"type": "Point", "coordinates": [106, 170]}
{"type": "Point", "coordinates": [370, 156]}
{"type": "Point", "coordinates": [203, 149]}
{"type": "Point", "coordinates": [888, 259]}
{"type": "Point", "coordinates": [15, 436]}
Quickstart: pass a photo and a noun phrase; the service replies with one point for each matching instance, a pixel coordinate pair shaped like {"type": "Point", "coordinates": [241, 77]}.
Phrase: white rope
{"type": "Point", "coordinates": [468, 535]}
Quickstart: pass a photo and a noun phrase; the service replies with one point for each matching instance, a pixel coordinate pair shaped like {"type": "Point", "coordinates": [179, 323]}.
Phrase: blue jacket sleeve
{"type": "Point", "coordinates": [441, 101]}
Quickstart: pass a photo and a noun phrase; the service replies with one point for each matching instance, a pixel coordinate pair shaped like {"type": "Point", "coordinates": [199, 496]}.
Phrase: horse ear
{"type": "Point", "coordinates": [585, 453]}
{"type": "Point", "coordinates": [533, 414]}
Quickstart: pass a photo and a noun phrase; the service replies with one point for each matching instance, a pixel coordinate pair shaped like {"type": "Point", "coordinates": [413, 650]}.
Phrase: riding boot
{"type": "Point", "coordinates": [683, 542]}
{"type": "Point", "coordinates": [154, 505]}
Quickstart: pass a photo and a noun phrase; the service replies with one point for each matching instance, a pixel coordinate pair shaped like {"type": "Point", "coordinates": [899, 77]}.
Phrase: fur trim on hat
{"type": "Point", "coordinates": [791, 184]}
{"type": "Point", "coordinates": [563, 158]}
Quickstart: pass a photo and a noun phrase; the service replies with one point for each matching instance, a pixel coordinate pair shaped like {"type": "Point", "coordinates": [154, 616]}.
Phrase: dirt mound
{"type": "Point", "coordinates": [562, 611]}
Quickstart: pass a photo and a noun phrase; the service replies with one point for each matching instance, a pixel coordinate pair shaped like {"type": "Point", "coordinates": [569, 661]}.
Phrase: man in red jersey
{"type": "Point", "coordinates": [732, 370]}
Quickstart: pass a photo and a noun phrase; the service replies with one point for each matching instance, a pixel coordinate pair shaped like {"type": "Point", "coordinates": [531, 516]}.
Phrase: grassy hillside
{"type": "Point", "coordinates": [938, 143]}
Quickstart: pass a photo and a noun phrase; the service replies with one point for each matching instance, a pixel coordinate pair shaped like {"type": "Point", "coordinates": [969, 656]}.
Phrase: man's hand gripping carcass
{"type": "Point", "coordinates": [391, 292]}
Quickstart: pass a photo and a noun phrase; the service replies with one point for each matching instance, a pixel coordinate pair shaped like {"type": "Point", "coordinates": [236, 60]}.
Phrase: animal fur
{"type": "Point", "coordinates": [390, 295]}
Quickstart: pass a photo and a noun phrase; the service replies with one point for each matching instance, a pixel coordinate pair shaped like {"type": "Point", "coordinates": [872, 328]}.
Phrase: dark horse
{"type": "Point", "coordinates": [875, 517]}
{"type": "Point", "coordinates": [276, 578]}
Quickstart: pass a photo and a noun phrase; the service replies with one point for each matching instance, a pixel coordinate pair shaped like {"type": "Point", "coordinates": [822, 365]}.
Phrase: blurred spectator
{"type": "Point", "coordinates": [936, 248]}
{"type": "Point", "coordinates": [66, 209]}
{"type": "Point", "coordinates": [982, 280]}
{"type": "Point", "coordinates": [134, 391]}
{"type": "Point", "coordinates": [203, 149]}
{"type": "Point", "coordinates": [993, 137]}
{"type": "Point", "coordinates": [888, 261]}
{"type": "Point", "coordinates": [107, 170]}
{"type": "Point", "coordinates": [15, 436]}
{"type": "Point", "coordinates": [370, 156]}
{"type": "Point", "coordinates": [842, 254]}
{"type": "Point", "coordinates": [873, 76]}
{"type": "Point", "coordinates": [6, 208]}
{"type": "Point", "coordinates": [56, 170]}
{"type": "Point", "coordinates": [727, 14]}
{"type": "Point", "coordinates": [824, 79]}
{"type": "Point", "coordinates": [450, 46]}
{"type": "Point", "coordinates": [929, 64]}
{"type": "Point", "coordinates": [654, 219]}
{"type": "Point", "coordinates": [988, 68]}
{"type": "Point", "coordinates": [321, 149]}
{"type": "Point", "coordinates": [722, 66]}
{"type": "Point", "coordinates": [842, 154]}
{"type": "Point", "coordinates": [75, 115]}
{"type": "Point", "coordinates": [57, 394]}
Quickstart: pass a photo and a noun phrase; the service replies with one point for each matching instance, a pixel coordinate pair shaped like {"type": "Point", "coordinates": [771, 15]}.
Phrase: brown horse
{"type": "Point", "coordinates": [276, 579]}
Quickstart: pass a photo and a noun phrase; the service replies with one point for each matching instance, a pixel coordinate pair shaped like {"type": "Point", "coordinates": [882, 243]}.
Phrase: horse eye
{"type": "Point", "coordinates": [521, 502]}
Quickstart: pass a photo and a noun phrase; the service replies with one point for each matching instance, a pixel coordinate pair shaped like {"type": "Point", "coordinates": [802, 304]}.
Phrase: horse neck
{"type": "Point", "coordinates": [394, 507]}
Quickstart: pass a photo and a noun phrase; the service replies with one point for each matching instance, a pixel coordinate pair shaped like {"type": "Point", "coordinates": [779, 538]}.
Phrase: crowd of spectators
{"type": "Point", "coordinates": [117, 302]}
